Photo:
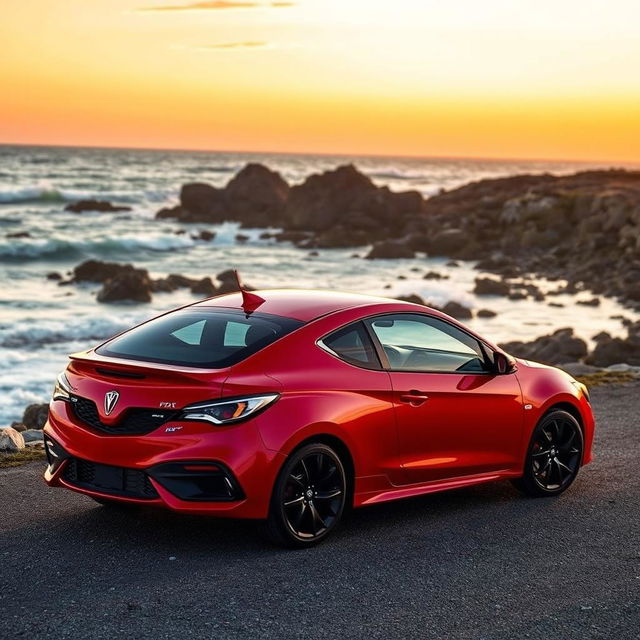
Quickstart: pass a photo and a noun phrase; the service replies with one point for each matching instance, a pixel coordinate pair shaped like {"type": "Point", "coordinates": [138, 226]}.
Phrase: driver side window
{"type": "Point", "coordinates": [423, 343]}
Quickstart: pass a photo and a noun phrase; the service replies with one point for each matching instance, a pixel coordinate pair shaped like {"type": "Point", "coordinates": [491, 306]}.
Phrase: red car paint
{"type": "Point", "coordinates": [461, 428]}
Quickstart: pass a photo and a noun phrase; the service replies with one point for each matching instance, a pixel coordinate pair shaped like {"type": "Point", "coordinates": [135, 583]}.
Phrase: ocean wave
{"type": "Point", "coordinates": [392, 174]}
{"type": "Point", "coordinates": [44, 194]}
{"type": "Point", "coordinates": [88, 331]}
{"type": "Point", "coordinates": [60, 249]}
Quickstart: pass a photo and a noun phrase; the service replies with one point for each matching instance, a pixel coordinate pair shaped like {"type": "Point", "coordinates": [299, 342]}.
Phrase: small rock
{"type": "Point", "coordinates": [205, 235]}
{"type": "Point", "coordinates": [11, 441]}
{"type": "Point", "coordinates": [593, 302]}
{"type": "Point", "coordinates": [486, 313]}
{"type": "Point", "coordinates": [241, 237]}
{"type": "Point", "coordinates": [388, 250]}
{"type": "Point", "coordinates": [94, 205]}
{"type": "Point", "coordinates": [54, 275]}
{"type": "Point", "coordinates": [19, 234]}
{"type": "Point", "coordinates": [204, 287]}
{"type": "Point", "coordinates": [491, 287]}
{"type": "Point", "coordinates": [132, 286]}
{"type": "Point", "coordinates": [456, 310]}
{"type": "Point", "coordinates": [33, 435]}
{"type": "Point", "coordinates": [434, 275]}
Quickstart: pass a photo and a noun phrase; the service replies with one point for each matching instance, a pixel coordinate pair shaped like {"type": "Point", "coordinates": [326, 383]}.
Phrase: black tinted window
{"type": "Point", "coordinates": [423, 343]}
{"type": "Point", "coordinates": [206, 338]}
{"type": "Point", "coordinates": [353, 345]}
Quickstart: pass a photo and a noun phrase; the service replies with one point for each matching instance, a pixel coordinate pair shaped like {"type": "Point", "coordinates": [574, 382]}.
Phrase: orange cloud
{"type": "Point", "coordinates": [219, 4]}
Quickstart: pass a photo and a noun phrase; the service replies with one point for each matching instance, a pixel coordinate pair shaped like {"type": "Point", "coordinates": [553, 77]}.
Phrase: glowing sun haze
{"type": "Point", "coordinates": [486, 78]}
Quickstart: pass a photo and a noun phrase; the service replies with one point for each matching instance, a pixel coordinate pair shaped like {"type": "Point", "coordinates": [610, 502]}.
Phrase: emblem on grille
{"type": "Point", "coordinates": [110, 401]}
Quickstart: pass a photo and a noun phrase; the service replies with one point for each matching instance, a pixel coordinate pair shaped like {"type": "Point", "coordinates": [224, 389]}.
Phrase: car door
{"type": "Point", "coordinates": [456, 417]}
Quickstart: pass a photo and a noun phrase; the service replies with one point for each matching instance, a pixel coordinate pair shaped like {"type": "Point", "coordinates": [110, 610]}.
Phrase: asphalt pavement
{"type": "Point", "coordinates": [481, 562]}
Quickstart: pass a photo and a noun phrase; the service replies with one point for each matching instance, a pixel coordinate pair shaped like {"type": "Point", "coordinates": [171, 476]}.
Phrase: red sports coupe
{"type": "Point", "coordinates": [292, 406]}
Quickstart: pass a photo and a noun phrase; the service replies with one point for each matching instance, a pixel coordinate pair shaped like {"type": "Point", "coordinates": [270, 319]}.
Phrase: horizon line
{"type": "Point", "coordinates": [341, 154]}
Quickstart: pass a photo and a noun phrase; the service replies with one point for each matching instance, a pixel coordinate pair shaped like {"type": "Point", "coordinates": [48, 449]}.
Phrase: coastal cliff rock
{"type": "Point", "coordinates": [609, 351]}
{"type": "Point", "coordinates": [557, 348]}
{"type": "Point", "coordinates": [583, 227]}
{"type": "Point", "coordinates": [255, 197]}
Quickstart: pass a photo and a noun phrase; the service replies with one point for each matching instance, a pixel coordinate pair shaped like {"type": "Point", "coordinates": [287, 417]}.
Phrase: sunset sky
{"type": "Point", "coordinates": [484, 78]}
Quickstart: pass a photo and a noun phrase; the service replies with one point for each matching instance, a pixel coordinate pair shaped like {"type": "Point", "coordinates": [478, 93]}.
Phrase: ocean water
{"type": "Point", "coordinates": [41, 322]}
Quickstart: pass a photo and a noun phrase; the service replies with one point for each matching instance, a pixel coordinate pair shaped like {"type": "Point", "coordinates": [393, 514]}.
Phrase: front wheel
{"type": "Point", "coordinates": [554, 456]}
{"type": "Point", "coordinates": [308, 498]}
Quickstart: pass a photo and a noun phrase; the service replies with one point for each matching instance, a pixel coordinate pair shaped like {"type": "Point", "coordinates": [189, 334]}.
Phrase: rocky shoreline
{"type": "Point", "coordinates": [583, 228]}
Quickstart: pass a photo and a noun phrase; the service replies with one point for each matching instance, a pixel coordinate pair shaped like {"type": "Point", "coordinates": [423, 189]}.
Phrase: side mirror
{"type": "Point", "coordinates": [502, 363]}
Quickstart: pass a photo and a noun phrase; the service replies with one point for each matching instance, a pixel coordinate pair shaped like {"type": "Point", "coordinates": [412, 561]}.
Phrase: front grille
{"type": "Point", "coordinates": [103, 478]}
{"type": "Point", "coordinates": [134, 421]}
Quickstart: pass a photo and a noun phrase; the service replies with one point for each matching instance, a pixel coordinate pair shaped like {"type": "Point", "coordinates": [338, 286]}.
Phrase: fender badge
{"type": "Point", "coordinates": [172, 429]}
{"type": "Point", "coordinates": [528, 406]}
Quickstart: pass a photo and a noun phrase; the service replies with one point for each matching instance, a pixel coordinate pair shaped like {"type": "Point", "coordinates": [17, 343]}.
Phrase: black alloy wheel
{"type": "Point", "coordinates": [309, 497]}
{"type": "Point", "coordinates": [554, 456]}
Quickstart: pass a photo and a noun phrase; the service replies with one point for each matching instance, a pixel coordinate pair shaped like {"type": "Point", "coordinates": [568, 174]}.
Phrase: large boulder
{"type": "Point", "coordinates": [200, 202]}
{"type": "Point", "coordinates": [35, 416]}
{"type": "Point", "coordinates": [256, 196]}
{"type": "Point", "coordinates": [129, 286]}
{"type": "Point", "coordinates": [324, 199]}
{"type": "Point", "coordinates": [11, 441]}
{"type": "Point", "coordinates": [557, 348]}
{"type": "Point", "coordinates": [95, 205]}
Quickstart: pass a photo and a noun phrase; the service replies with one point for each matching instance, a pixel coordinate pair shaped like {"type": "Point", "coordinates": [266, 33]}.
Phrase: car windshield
{"type": "Point", "coordinates": [205, 338]}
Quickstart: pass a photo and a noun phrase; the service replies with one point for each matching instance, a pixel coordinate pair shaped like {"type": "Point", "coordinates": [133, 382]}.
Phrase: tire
{"type": "Point", "coordinates": [554, 456]}
{"type": "Point", "coordinates": [308, 497]}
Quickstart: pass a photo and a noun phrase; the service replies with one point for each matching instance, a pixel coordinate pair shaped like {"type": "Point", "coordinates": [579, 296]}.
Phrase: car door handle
{"type": "Point", "coordinates": [414, 397]}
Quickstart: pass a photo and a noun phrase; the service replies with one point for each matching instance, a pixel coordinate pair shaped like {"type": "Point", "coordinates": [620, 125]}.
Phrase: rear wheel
{"type": "Point", "coordinates": [554, 456]}
{"type": "Point", "coordinates": [308, 498]}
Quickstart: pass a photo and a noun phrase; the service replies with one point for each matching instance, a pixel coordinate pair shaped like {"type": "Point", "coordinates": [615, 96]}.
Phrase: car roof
{"type": "Point", "coordinates": [301, 304]}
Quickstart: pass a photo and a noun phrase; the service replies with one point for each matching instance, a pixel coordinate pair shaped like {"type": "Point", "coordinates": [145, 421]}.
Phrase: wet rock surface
{"type": "Point", "coordinates": [568, 227]}
{"type": "Point", "coordinates": [557, 348]}
{"type": "Point", "coordinates": [95, 205]}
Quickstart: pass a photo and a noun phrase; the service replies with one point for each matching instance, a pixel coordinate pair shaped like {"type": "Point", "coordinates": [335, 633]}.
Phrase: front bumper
{"type": "Point", "coordinates": [185, 466]}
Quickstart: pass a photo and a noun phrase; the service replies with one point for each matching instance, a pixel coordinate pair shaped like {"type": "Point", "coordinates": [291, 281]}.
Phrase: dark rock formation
{"type": "Point", "coordinates": [457, 310]}
{"type": "Point", "coordinates": [388, 249]}
{"type": "Point", "coordinates": [415, 298]}
{"type": "Point", "coordinates": [54, 275]}
{"type": "Point", "coordinates": [491, 287]}
{"type": "Point", "coordinates": [133, 285]}
{"type": "Point", "coordinates": [257, 196]}
{"type": "Point", "coordinates": [559, 347]}
{"type": "Point", "coordinates": [204, 287]}
{"type": "Point", "coordinates": [35, 415]}
{"type": "Point", "coordinates": [610, 350]}
{"type": "Point", "coordinates": [18, 234]}
{"type": "Point", "coordinates": [95, 205]}
{"type": "Point", "coordinates": [486, 313]}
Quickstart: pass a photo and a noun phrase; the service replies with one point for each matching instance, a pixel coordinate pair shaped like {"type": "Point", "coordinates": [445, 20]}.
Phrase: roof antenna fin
{"type": "Point", "coordinates": [250, 301]}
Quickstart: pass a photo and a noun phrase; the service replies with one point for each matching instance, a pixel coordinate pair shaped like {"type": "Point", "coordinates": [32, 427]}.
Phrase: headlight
{"type": "Point", "coordinates": [230, 410]}
{"type": "Point", "coordinates": [62, 389]}
{"type": "Point", "coordinates": [581, 387]}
